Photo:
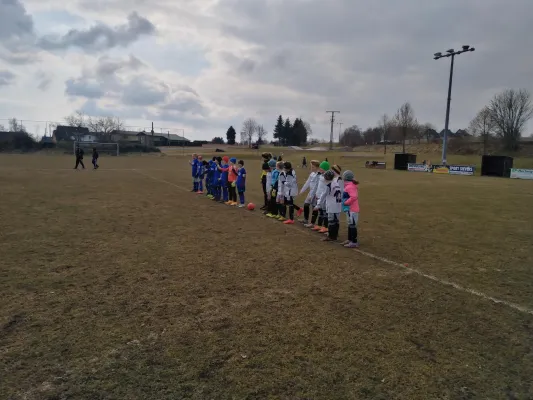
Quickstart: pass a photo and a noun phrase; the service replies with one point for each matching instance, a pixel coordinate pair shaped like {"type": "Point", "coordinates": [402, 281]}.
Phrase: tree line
{"type": "Point", "coordinates": [503, 119]}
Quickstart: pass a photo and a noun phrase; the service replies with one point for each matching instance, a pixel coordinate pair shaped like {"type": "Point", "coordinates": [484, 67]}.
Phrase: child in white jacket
{"type": "Point", "coordinates": [310, 184]}
{"type": "Point", "coordinates": [322, 222]}
{"type": "Point", "coordinates": [289, 189]}
{"type": "Point", "coordinates": [333, 199]}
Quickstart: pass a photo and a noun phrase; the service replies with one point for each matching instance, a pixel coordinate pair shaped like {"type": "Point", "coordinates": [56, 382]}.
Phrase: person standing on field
{"type": "Point", "coordinates": [79, 157]}
{"type": "Point", "coordinates": [95, 158]}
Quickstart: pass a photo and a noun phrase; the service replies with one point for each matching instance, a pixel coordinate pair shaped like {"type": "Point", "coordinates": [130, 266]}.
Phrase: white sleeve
{"type": "Point", "coordinates": [322, 200]}
{"type": "Point", "coordinates": [268, 182]}
{"type": "Point", "coordinates": [314, 186]}
{"type": "Point", "coordinates": [307, 184]}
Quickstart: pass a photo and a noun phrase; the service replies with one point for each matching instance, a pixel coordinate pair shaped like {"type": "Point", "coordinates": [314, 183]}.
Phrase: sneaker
{"type": "Point", "coordinates": [352, 245]}
{"type": "Point", "coordinates": [269, 215]}
{"type": "Point", "coordinates": [289, 222]}
{"type": "Point", "coordinates": [345, 243]}
{"type": "Point", "coordinates": [323, 230]}
{"type": "Point", "coordinates": [274, 216]}
{"type": "Point", "coordinates": [299, 212]}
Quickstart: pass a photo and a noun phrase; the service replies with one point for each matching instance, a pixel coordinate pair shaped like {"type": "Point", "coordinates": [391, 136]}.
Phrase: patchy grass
{"type": "Point", "coordinates": [120, 284]}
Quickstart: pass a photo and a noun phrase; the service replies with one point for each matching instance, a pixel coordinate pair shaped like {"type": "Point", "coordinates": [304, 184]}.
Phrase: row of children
{"type": "Point", "coordinates": [330, 194]}
{"type": "Point", "coordinates": [224, 178]}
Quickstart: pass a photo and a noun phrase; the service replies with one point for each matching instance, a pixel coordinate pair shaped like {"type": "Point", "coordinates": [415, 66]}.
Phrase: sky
{"type": "Point", "coordinates": [203, 65]}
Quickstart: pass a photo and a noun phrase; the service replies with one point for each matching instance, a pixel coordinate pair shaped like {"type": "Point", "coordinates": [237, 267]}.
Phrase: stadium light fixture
{"type": "Point", "coordinates": [451, 53]}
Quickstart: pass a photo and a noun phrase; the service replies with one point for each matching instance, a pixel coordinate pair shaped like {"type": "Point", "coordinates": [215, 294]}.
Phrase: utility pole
{"type": "Point", "coordinates": [332, 122]}
{"type": "Point", "coordinates": [340, 131]}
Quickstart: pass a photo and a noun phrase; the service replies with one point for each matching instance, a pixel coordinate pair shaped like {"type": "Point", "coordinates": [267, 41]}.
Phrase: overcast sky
{"type": "Point", "coordinates": [203, 65]}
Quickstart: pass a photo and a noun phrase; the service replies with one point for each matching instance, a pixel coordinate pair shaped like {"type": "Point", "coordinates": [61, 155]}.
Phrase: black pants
{"type": "Point", "coordinates": [79, 161]}
{"type": "Point", "coordinates": [289, 201]}
{"type": "Point", "coordinates": [272, 205]}
{"type": "Point", "coordinates": [232, 191]}
{"type": "Point", "coordinates": [333, 225]}
{"type": "Point", "coordinates": [264, 184]}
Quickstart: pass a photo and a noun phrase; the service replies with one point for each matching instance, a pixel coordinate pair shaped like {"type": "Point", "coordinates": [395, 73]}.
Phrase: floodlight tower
{"type": "Point", "coordinates": [449, 53]}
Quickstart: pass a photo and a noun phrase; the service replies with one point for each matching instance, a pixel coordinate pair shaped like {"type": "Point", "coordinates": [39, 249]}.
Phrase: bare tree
{"type": "Point", "coordinates": [261, 134]}
{"type": "Point", "coordinates": [105, 125]}
{"type": "Point", "coordinates": [384, 125]}
{"type": "Point", "coordinates": [76, 119]}
{"type": "Point", "coordinates": [483, 125]}
{"type": "Point", "coordinates": [352, 137]}
{"type": "Point", "coordinates": [510, 110]}
{"type": "Point", "coordinates": [405, 121]}
{"type": "Point", "coordinates": [308, 128]}
{"type": "Point", "coordinates": [16, 126]}
{"type": "Point", "coordinates": [2, 128]}
{"type": "Point", "coordinates": [248, 131]}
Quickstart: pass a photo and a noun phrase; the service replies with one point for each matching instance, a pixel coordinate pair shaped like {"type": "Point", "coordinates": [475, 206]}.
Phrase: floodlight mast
{"type": "Point", "coordinates": [449, 53]}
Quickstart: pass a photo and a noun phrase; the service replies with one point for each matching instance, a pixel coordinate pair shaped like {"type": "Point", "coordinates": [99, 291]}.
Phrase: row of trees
{"type": "Point", "coordinates": [13, 125]}
{"type": "Point", "coordinates": [504, 118]}
{"type": "Point", "coordinates": [285, 133]}
{"type": "Point", "coordinates": [103, 125]}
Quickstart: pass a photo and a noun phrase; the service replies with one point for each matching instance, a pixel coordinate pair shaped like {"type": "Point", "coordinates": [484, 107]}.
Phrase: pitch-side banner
{"type": "Point", "coordinates": [461, 170]}
{"type": "Point", "coordinates": [440, 169]}
{"type": "Point", "coordinates": [418, 167]}
{"type": "Point", "coordinates": [517, 173]}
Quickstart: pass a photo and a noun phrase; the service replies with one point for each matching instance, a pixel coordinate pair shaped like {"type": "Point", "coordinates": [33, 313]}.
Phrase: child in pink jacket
{"type": "Point", "coordinates": [350, 205]}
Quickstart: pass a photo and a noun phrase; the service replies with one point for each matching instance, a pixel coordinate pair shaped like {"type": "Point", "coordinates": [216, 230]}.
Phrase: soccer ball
{"type": "Point", "coordinates": [251, 206]}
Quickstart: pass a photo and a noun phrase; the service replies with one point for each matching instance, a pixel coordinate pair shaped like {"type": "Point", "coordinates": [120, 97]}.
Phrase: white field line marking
{"type": "Point", "coordinates": [433, 278]}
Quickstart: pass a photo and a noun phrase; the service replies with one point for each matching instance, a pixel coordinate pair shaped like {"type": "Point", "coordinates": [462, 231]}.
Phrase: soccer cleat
{"type": "Point", "coordinates": [234, 203]}
{"type": "Point", "coordinates": [299, 212]}
{"type": "Point", "coordinates": [328, 239]}
{"type": "Point", "coordinates": [345, 243]}
{"type": "Point", "coordinates": [316, 228]}
{"type": "Point", "coordinates": [200, 192]}
{"type": "Point", "coordinates": [228, 203]}
{"type": "Point", "coordinates": [289, 222]}
{"type": "Point", "coordinates": [280, 218]}
{"type": "Point", "coordinates": [241, 206]}
{"type": "Point", "coordinates": [352, 245]}
{"type": "Point", "coordinates": [309, 226]}
{"type": "Point", "coordinates": [269, 215]}
{"type": "Point", "coordinates": [323, 230]}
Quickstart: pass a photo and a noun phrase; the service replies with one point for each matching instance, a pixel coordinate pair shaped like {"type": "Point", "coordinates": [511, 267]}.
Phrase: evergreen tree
{"type": "Point", "coordinates": [231, 135]}
{"type": "Point", "coordinates": [217, 140]}
{"type": "Point", "coordinates": [286, 133]}
{"type": "Point", "coordinates": [278, 129]}
{"type": "Point", "coordinates": [299, 133]}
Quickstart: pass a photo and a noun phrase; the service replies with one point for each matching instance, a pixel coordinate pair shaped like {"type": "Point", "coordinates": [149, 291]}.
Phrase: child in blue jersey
{"type": "Point", "coordinates": [223, 168]}
{"type": "Point", "coordinates": [217, 188]}
{"type": "Point", "coordinates": [194, 171]}
{"type": "Point", "coordinates": [200, 175]}
{"type": "Point", "coordinates": [241, 182]}
{"type": "Point", "coordinates": [209, 179]}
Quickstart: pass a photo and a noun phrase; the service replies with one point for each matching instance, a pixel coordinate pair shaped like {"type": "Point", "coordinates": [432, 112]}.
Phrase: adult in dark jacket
{"type": "Point", "coordinates": [79, 157]}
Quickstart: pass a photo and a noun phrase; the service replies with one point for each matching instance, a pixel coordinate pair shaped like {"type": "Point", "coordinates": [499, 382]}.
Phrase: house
{"type": "Point", "coordinates": [146, 139]}
{"type": "Point", "coordinates": [124, 136]}
{"type": "Point", "coordinates": [170, 139]}
{"type": "Point", "coordinates": [89, 138]}
{"type": "Point", "coordinates": [69, 133]}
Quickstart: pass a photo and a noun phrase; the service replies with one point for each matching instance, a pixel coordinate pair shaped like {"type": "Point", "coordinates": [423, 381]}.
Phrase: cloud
{"type": "Point", "coordinates": [6, 78]}
{"type": "Point", "coordinates": [83, 87]}
{"type": "Point", "coordinates": [101, 36]}
{"type": "Point", "coordinates": [44, 80]}
{"type": "Point", "coordinates": [16, 33]}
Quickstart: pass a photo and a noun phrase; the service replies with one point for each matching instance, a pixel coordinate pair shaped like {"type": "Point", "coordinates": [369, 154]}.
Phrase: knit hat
{"type": "Point", "coordinates": [324, 165]}
{"type": "Point", "coordinates": [336, 168]}
{"type": "Point", "coordinates": [272, 163]}
{"type": "Point", "coordinates": [348, 175]}
{"type": "Point", "coordinates": [329, 175]}
{"type": "Point", "coordinates": [225, 158]}
{"type": "Point", "coordinates": [233, 160]}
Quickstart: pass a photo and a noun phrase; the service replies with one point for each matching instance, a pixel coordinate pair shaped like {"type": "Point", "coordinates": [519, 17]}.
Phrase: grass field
{"type": "Point", "coordinates": [121, 284]}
